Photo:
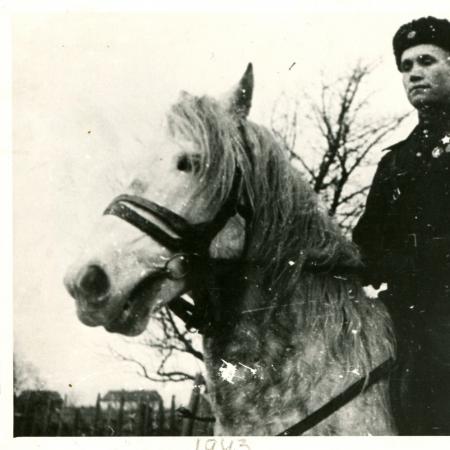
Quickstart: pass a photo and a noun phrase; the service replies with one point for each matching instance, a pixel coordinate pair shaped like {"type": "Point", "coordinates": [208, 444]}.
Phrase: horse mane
{"type": "Point", "coordinates": [288, 229]}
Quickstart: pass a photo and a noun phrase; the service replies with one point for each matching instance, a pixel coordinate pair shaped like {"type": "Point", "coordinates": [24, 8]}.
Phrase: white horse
{"type": "Point", "coordinates": [217, 210]}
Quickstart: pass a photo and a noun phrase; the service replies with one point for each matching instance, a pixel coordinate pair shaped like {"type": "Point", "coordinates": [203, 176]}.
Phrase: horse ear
{"type": "Point", "coordinates": [239, 101]}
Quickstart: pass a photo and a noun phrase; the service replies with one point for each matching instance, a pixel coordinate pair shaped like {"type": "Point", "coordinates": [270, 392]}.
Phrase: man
{"type": "Point", "coordinates": [404, 233]}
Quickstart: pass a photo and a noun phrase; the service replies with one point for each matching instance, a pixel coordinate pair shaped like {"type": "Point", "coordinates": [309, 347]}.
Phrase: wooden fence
{"type": "Point", "coordinates": [49, 415]}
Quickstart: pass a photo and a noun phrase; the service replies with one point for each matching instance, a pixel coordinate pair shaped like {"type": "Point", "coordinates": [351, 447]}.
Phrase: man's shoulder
{"type": "Point", "coordinates": [402, 147]}
{"type": "Point", "coordinates": [403, 144]}
{"type": "Point", "coordinates": [390, 153]}
{"type": "Point", "coordinates": [395, 147]}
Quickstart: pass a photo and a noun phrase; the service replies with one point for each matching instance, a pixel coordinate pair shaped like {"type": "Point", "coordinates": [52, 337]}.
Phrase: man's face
{"type": "Point", "coordinates": [426, 76]}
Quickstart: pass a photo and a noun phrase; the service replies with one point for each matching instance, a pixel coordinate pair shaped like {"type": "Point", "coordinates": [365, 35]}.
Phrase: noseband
{"type": "Point", "coordinates": [184, 236]}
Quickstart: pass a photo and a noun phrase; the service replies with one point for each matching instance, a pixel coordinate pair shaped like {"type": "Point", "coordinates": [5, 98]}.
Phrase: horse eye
{"type": "Point", "coordinates": [184, 164]}
{"type": "Point", "coordinates": [188, 163]}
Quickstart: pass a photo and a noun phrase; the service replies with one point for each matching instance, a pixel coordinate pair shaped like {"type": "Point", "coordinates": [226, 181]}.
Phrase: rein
{"type": "Point", "coordinates": [355, 389]}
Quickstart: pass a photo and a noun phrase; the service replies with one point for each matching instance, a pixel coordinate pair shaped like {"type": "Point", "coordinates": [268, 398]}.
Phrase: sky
{"type": "Point", "coordinates": [88, 86]}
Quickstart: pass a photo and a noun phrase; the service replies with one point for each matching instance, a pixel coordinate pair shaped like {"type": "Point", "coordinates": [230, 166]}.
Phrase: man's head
{"type": "Point", "coordinates": [422, 53]}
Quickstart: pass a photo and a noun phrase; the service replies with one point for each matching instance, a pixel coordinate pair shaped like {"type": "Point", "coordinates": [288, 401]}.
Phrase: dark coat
{"type": "Point", "coordinates": [404, 232]}
{"type": "Point", "coordinates": [404, 238]}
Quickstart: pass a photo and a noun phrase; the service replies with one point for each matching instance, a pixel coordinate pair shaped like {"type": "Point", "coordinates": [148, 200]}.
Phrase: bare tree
{"type": "Point", "coordinates": [330, 138]}
{"type": "Point", "coordinates": [339, 131]}
{"type": "Point", "coordinates": [170, 340]}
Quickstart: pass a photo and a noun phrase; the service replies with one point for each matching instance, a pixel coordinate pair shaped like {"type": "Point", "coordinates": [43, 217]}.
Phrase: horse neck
{"type": "Point", "coordinates": [246, 316]}
{"type": "Point", "coordinates": [251, 360]}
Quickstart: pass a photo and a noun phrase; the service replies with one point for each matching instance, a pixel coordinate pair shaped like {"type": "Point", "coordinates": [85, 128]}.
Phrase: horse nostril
{"type": "Point", "coordinates": [94, 281]}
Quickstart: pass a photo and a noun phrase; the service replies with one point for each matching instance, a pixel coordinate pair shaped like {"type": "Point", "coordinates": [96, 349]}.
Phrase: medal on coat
{"type": "Point", "coordinates": [436, 152]}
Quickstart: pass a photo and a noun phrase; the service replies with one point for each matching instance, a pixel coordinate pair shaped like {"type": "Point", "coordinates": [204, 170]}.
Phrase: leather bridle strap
{"type": "Point", "coordinates": [183, 235]}
{"type": "Point", "coordinates": [341, 399]}
{"type": "Point", "coordinates": [119, 207]}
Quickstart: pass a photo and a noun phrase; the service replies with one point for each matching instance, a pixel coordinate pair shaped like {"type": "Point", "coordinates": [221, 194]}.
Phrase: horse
{"type": "Point", "coordinates": [216, 210]}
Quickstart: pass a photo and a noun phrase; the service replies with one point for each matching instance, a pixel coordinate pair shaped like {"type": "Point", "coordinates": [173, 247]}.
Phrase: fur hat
{"type": "Point", "coordinates": [426, 30]}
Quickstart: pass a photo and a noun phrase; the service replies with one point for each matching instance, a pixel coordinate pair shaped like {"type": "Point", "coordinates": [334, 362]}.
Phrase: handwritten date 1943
{"type": "Point", "coordinates": [222, 444]}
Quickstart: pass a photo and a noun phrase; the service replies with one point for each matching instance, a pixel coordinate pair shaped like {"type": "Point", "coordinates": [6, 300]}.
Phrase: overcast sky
{"type": "Point", "coordinates": [114, 75]}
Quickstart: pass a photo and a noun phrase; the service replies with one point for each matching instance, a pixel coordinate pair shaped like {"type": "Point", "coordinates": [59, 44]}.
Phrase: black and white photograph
{"type": "Point", "coordinates": [225, 223]}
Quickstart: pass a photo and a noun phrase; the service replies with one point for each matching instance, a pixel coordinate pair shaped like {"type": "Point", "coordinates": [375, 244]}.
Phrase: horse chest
{"type": "Point", "coordinates": [250, 394]}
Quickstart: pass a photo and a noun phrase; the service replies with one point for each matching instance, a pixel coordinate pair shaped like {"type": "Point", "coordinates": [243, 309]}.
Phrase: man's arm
{"type": "Point", "coordinates": [369, 231]}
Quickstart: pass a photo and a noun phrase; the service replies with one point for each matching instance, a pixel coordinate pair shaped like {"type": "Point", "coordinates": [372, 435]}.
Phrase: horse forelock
{"type": "Point", "coordinates": [287, 228]}
{"type": "Point", "coordinates": [215, 134]}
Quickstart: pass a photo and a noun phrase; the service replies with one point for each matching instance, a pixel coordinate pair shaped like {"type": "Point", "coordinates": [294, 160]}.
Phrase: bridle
{"type": "Point", "coordinates": [184, 237]}
{"type": "Point", "coordinates": [190, 242]}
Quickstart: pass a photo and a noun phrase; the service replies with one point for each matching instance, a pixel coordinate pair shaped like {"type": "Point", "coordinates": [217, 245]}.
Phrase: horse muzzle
{"type": "Point", "coordinates": [91, 284]}
{"type": "Point", "coordinates": [125, 309]}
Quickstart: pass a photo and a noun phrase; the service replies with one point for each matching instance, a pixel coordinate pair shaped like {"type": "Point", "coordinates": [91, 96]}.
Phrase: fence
{"type": "Point", "coordinates": [45, 413]}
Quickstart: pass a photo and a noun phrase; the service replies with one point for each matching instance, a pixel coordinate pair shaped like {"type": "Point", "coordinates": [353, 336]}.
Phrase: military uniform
{"type": "Point", "coordinates": [404, 233]}
{"type": "Point", "coordinates": [404, 237]}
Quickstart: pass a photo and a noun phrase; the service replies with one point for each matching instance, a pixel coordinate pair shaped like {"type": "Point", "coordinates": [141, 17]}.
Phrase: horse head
{"type": "Point", "coordinates": [184, 204]}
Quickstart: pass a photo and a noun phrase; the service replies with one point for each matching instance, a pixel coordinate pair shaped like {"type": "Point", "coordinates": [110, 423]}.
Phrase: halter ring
{"type": "Point", "coordinates": [178, 266]}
